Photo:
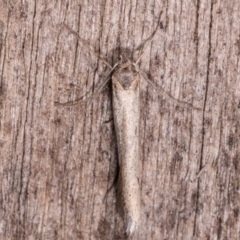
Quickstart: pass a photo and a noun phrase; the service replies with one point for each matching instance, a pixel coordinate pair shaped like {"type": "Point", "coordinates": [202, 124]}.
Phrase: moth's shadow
{"type": "Point", "coordinates": [119, 53]}
{"type": "Point", "coordinates": [127, 53]}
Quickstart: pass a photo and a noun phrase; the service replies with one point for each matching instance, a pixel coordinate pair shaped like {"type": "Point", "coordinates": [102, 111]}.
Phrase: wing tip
{"type": "Point", "coordinates": [132, 227]}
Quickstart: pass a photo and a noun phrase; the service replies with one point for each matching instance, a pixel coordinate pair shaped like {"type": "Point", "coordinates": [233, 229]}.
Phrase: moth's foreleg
{"type": "Point", "coordinates": [79, 101]}
{"type": "Point", "coordinates": [166, 95]}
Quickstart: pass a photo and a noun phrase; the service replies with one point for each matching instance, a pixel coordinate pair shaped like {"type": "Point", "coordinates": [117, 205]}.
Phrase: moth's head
{"type": "Point", "coordinates": [126, 73]}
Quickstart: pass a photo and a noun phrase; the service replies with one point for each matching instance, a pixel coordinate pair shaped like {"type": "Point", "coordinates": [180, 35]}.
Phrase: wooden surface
{"type": "Point", "coordinates": [57, 163]}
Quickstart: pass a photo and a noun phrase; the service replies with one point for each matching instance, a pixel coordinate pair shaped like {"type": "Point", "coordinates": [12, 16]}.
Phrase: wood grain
{"type": "Point", "coordinates": [57, 163]}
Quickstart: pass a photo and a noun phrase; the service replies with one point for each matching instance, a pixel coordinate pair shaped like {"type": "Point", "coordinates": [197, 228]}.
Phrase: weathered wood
{"type": "Point", "coordinates": [57, 163]}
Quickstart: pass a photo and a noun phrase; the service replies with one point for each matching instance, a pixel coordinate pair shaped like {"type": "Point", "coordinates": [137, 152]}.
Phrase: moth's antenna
{"type": "Point", "coordinates": [83, 42]}
{"type": "Point", "coordinates": [149, 41]}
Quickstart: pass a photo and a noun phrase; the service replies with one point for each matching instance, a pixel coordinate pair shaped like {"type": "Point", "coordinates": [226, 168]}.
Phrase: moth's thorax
{"type": "Point", "coordinates": [126, 74]}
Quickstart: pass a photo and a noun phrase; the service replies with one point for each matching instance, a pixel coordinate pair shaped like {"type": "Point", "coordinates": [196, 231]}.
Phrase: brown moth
{"type": "Point", "coordinates": [126, 105]}
{"type": "Point", "coordinates": [126, 112]}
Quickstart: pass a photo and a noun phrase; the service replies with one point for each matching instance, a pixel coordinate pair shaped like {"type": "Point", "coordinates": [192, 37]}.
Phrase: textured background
{"type": "Point", "coordinates": [57, 163]}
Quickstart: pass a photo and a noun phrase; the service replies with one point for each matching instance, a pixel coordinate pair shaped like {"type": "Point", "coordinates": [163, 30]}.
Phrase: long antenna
{"type": "Point", "coordinates": [83, 42]}
{"type": "Point", "coordinates": [149, 41]}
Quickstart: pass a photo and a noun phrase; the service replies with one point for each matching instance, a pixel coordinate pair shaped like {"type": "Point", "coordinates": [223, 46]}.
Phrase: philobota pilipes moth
{"type": "Point", "coordinates": [126, 111]}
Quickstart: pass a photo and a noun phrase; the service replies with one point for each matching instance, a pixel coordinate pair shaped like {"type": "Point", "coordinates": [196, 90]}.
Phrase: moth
{"type": "Point", "coordinates": [126, 76]}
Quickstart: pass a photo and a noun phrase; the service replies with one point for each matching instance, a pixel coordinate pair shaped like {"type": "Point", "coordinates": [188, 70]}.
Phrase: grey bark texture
{"type": "Point", "coordinates": [58, 163]}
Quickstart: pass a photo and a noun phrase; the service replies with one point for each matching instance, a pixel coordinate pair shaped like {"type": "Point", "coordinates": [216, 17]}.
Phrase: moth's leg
{"type": "Point", "coordinates": [83, 42]}
{"type": "Point", "coordinates": [168, 96]}
{"type": "Point", "coordinates": [79, 101]}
